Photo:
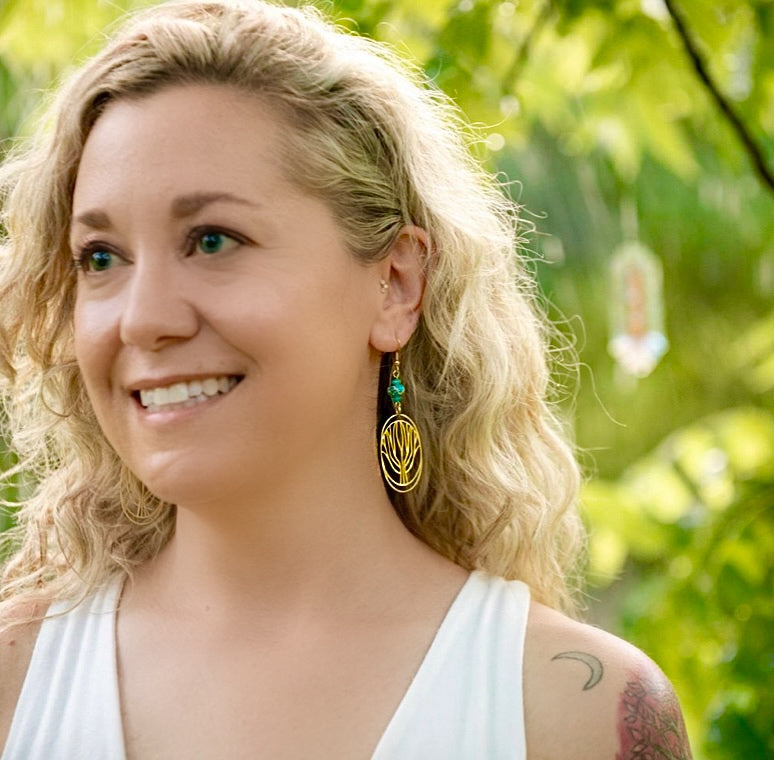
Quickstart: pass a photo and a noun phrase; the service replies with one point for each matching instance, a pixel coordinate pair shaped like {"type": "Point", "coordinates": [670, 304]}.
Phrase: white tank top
{"type": "Point", "coordinates": [464, 703]}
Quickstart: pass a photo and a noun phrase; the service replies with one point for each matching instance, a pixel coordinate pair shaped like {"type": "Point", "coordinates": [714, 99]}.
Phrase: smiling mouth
{"type": "Point", "coordinates": [185, 394]}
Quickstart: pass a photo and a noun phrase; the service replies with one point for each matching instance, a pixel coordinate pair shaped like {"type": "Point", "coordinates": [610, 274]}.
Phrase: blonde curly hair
{"type": "Point", "coordinates": [383, 149]}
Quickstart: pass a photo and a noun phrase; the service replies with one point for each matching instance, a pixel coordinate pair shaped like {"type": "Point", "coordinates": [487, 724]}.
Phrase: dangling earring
{"type": "Point", "coordinates": [400, 447]}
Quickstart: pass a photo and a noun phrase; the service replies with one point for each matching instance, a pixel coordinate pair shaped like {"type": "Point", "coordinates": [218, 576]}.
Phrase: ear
{"type": "Point", "coordinates": [403, 269]}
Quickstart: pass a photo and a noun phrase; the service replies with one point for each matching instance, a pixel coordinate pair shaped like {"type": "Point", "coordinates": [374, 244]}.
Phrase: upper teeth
{"type": "Point", "coordinates": [179, 392]}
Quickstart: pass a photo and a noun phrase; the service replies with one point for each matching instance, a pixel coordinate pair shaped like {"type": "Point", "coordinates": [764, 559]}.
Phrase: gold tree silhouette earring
{"type": "Point", "coordinates": [400, 447]}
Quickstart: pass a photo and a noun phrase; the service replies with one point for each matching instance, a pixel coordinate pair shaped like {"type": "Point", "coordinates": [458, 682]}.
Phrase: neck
{"type": "Point", "coordinates": [295, 545]}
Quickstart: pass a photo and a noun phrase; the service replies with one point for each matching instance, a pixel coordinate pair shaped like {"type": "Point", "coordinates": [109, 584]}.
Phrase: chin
{"type": "Point", "coordinates": [185, 483]}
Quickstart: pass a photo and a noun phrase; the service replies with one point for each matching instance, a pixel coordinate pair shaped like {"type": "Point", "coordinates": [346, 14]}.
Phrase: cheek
{"type": "Point", "coordinates": [92, 333]}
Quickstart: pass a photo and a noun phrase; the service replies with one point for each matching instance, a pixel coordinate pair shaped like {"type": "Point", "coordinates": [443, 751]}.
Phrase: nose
{"type": "Point", "coordinates": [157, 310]}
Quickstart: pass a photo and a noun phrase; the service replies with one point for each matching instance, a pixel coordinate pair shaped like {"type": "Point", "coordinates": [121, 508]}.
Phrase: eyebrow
{"type": "Point", "coordinates": [97, 220]}
{"type": "Point", "coordinates": [187, 205]}
{"type": "Point", "coordinates": [181, 207]}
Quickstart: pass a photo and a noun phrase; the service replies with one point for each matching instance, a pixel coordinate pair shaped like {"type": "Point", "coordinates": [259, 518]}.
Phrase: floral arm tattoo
{"type": "Point", "coordinates": [650, 723]}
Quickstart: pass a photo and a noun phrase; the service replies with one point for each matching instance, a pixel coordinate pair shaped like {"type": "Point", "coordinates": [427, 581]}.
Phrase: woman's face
{"type": "Point", "coordinates": [221, 327]}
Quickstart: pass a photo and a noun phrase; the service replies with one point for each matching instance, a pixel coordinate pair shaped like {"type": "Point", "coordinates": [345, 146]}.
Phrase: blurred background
{"type": "Point", "coordinates": [639, 137]}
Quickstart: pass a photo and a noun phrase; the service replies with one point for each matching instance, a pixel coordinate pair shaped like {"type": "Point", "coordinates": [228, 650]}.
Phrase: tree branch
{"type": "Point", "coordinates": [509, 80]}
{"type": "Point", "coordinates": [753, 150]}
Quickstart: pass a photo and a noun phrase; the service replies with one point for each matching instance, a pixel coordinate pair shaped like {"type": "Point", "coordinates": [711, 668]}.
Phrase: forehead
{"type": "Point", "coordinates": [183, 137]}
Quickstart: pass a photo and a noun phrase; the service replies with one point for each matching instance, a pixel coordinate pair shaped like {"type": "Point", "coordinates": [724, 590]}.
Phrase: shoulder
{"type": "Point", "coordinates": [592, 696]}
{"type": "Point", "coordinates": [19, 626]}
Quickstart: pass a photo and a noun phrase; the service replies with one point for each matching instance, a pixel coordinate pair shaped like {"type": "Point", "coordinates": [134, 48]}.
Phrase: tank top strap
{"type": "Point", "coordinates": [69, 703]}
{"type": "Point", "coordinates": [466, 699]}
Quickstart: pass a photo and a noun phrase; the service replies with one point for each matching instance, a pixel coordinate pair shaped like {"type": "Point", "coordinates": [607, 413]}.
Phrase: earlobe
{"type": "Point", "coordinates": [403, 274]}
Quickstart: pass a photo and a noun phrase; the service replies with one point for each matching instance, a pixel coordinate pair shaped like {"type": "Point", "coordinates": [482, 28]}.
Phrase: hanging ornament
{"type": "Point", "coordinates": [637, 336]}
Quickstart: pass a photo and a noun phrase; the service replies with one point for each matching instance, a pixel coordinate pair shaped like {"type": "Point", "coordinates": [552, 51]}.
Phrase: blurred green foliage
{"type": "Point", "coordinates": [692, 523]}
{"type": "Point", "coordinates": [592, 110]}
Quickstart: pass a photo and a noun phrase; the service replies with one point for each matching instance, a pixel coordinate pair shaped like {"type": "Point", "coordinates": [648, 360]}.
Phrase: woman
{"type": "Point", "coordinates": [249, 269]}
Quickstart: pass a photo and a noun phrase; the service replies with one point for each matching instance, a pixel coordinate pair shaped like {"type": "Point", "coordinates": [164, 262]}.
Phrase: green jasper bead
{"type": "Point", "coordinates": [396, 390]}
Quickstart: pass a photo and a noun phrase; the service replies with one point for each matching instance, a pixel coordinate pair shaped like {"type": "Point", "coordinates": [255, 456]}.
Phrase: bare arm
{"type": "Point", "coordinates": [650, 722]}
{"type": "Point", "coordinates": [591, 696]}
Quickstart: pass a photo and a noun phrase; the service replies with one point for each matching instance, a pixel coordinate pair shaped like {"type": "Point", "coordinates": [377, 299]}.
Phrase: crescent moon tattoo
{"type": "Point", "coordinates": [595, 665]}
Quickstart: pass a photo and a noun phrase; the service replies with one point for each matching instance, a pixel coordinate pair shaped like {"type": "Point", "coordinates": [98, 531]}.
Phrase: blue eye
{"type": "Point", "coordinates": [213, 242]}
{"type": "Point", "coordinates": [97, 260]}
